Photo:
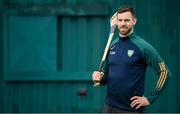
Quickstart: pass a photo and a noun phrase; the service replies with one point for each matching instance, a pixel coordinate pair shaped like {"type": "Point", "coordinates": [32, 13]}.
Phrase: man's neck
{"type": "Point", "coordinates": [123, 36]}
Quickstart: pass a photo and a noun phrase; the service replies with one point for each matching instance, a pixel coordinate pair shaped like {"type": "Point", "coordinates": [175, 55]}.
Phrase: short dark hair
{"type": "Point", "coordinates": [123, 9]}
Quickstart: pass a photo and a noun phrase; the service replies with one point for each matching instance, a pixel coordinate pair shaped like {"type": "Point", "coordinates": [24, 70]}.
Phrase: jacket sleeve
{"type": "Point", "coordinates": [105, 73]}
{"type": "Point", "coordinates": [153, 60]}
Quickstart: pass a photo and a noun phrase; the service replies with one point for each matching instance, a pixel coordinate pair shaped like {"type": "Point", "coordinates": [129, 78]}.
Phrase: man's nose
{"type": "Point", "coordinates": [123, 23]}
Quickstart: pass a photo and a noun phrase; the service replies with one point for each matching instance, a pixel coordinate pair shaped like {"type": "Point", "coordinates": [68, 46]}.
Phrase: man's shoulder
{"type": "Point", "coordinates": [141, 43]}
{"type": "Point", "coordinates": [114, 42]}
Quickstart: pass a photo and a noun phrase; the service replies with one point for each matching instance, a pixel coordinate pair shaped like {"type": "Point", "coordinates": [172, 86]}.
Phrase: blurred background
{"type": "Point", "coordinates": [49, 48]}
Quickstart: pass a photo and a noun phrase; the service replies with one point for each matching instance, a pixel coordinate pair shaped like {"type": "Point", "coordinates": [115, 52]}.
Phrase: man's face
{"type": "Point", "coordinates": [125, 22]}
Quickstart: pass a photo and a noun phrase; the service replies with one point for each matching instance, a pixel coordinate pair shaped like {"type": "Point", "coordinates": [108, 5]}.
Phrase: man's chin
{"type": "Point", "coordinates": [124, 33]}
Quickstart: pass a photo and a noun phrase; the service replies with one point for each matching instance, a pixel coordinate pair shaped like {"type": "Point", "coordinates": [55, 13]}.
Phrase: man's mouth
{"type": "Point", "coordinates": [123, 27]}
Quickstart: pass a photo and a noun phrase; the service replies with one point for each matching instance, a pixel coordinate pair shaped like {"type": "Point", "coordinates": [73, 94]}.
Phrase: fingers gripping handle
{"type": "Point", "coordinates": [97, 83]}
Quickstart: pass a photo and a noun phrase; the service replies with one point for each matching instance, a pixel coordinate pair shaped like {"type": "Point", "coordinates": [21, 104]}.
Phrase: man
{"type": "Point", "coordinates": [126, 64]}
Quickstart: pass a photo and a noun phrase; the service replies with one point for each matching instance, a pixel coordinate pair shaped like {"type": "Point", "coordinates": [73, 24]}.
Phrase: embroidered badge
{"type": "Point", "coordinates": [130, 53]}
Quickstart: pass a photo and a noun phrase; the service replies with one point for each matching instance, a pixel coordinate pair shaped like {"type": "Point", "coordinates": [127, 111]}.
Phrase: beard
{"type": "Point", "coordinates": [124, 30]}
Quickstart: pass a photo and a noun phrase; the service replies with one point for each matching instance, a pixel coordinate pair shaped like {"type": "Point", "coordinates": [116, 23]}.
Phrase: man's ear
{"type": "Point", "coordinates": [135, 20]}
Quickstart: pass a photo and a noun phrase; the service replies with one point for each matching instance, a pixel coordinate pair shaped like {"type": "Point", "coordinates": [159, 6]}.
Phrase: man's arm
{"type": "Point", "coordinates": [101, 77]}
{"type": "Point", "coordinates": [103, 81]}
{"type": "Point", "coordinates": [153, 59]}
{"type": "Point", "coordinates": [164, 76]}
{"type": "Point", "coordinates": [105, 67]}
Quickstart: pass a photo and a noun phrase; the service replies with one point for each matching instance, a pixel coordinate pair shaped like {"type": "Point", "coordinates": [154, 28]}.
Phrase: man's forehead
{"type": "Point", "coordinates": [127, 14]}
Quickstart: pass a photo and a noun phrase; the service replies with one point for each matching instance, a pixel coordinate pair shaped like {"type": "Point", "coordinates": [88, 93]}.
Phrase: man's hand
{"type": "Point", "coordinates": [97, 76]}
{"type": "Point", "coordinates": [137, 102]}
